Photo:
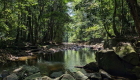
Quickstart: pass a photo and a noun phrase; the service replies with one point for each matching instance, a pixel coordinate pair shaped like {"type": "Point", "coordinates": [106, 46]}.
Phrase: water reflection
{"type": "Point", "coordinates": [57, 62]}
{"type": "Point", "coordinates": [66, 60]}
{"type": "Point", "coordinates": [78, 58]}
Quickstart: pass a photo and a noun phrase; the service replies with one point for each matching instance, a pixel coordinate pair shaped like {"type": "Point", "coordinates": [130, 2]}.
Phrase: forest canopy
{"type": "Point", "coordinates": [43, 21]}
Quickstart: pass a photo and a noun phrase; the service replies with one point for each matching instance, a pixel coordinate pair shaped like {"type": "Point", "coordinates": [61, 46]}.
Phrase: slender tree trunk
{"type": "Point", "coordinates": [109, 35]}
{"type": "Point", "coordinates": [24, 32]}
{"type": "Point", "coordinates": [18, 29]}
{"type": "Point", "coordinates": [36, 29]}
{"type": "Point", "coordinates": [122, 18]}
{"type": "Point", "coordinates": [29, 25]}
{"type": "Point", "coordinates": [51, 29]}
{"type": "Point", "coordinates": [32, 27]}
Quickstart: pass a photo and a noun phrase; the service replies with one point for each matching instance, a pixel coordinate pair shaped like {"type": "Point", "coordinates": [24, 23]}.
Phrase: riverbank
{"type": "Point", "coordinates": [23, 53]}
{"type": "Point", "coordinates": [52, 64]}
{"type": "Point", "coordinates": [106, 58]}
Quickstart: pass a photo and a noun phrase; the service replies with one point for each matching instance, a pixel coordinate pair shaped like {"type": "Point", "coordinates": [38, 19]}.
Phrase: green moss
{"type": "Point", "coordinates": [127, 53]}
{"type": "Point", "coordinates": [122, 51]}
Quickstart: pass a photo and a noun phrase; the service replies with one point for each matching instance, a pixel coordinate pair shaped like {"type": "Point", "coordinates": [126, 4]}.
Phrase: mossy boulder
{"type": "Point", "coordinates": [109, 61]}
{"type": "Point", "coordinates": [27, 71]}
{"type": "Point", "coordinates": [126, 52]}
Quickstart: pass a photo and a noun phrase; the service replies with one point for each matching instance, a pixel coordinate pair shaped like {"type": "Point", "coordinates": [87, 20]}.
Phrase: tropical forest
{"type": "Point", "coordinates": [69, 39]}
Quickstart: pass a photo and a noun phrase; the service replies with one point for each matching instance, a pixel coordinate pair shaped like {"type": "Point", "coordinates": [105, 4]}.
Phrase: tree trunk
{"type": "Point", "coordinates": [109, 35]}
{"type": "Point", "coordinates": [114, 25]}
{"type": "Point", "coordinates": [135, 12]}
{"type": "Point", "coordinates": [18, 29]}
{"type": "Point", "coordinates": [51, 29]}
{"type": "Point", "coordinates": [29, 25]}
{"type": "Point", "coordinates": [32, 37]}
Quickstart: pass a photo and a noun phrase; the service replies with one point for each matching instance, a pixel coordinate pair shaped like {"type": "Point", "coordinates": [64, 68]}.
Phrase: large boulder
{"type": "Point", "coordinates": [113, 64]}
{"type": "Point", "coordinates": [126, 52]}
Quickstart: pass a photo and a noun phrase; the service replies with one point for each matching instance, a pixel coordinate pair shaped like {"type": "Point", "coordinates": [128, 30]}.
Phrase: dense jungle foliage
{"type": "Point", "coordinates": [56, 21]}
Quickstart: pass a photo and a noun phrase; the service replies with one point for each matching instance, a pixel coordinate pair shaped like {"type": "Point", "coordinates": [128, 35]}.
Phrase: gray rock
{"type": "Point", "coordinates": [46, 78]}
{"type": "Point", "coordinates": [27, 71]}
{"type": "Point", "coordinates": [94, 76]}
{"type": "Point", "coordinates": [34, 77]}
{"type": "Point", "coordinates": [12, 76]}
{"type": "Point", "coordinates": [4, 73]}
{"type": "Point", "coordinates": [56, 74]}
{"type": "Point", "coordinates": [65, 77]}
{"type": "Point", "coordinates": [79, 76]}
{"type": "Point", "coordinates": [104, 74]}
{"type": "Point", "coordinates": [31, 69]}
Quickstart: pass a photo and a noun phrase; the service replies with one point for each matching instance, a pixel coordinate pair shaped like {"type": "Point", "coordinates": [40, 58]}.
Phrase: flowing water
{"type": "Point", "coordinates": [57, 62]}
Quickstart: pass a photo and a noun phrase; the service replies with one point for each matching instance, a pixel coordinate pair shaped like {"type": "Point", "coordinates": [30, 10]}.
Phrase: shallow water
{"type": "Point", "coordinates": [57, 62]}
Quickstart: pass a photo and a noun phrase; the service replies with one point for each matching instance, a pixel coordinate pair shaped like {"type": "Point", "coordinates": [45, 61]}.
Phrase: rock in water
{"type": "Point", "coordinates": [27, 71]}
{"type": "Point", "coordinates": [12, 76]}
{"type": "Point", "coordinates": [94, 76]}
{"type": "Point", "coordinates": [93, 66]}
{"type": "Point", "coordinates": [36, 76]}
{"type": "Point", "coordinates": [79, 76]}
{"type": "Point", "coordinates": [65, 77]}
{"type": "Point", "coordinates": [104, 74]}
{"type": "Point", "coordinates": [113, 64]}
{"type": "Point", "coordinates": [4, 73]}
{"type": "Point", "coordinates": [56, 74]}
{"type": "Point", "coordinates": [46, 78]}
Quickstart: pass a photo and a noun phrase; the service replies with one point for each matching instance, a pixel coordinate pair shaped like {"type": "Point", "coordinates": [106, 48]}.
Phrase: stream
{"type": "Point", "coordinates": [56, 63]}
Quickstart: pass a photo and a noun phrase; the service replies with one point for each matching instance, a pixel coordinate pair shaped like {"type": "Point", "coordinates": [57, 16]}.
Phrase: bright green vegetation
{"type": "Point", "coordinates": [103, 19]}
{"type": "Point", "coordinates": [35, 21]}
{"type": "Point", "coordinates": [43, 21]}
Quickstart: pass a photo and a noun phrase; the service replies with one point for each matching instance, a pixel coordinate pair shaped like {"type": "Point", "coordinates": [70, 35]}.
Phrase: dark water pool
{"type": "Point", "coordinates": [58, 62]}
